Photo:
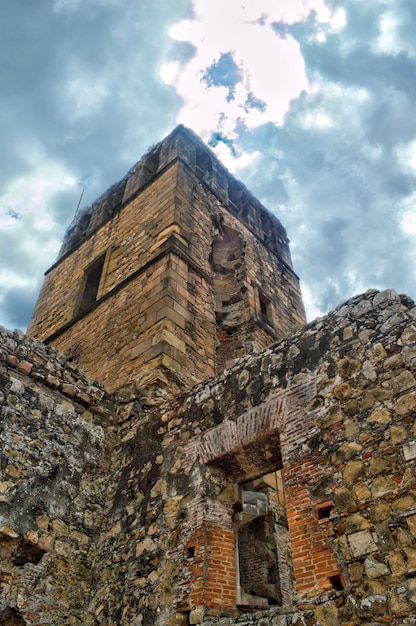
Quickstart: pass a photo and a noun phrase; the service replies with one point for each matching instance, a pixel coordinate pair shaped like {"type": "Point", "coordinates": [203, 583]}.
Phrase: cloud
{"type": "Point", "coordinates": [330, 139]}
{"type": "Point", "coordinates": [340, 154]}
{"type": "Point", "coordinates": [80, 99]}
{"type": "Point", "coordinates": [236, 64]}
{"type": "Point", "coordinates": [311, 103]}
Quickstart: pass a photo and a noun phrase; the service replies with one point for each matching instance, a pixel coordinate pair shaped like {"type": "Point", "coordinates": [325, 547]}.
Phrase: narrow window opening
{"type": "Point", "coordinates": [267, 229]}
{"type": "Point", "coordinates": [266, 308]}
{"type": "Point", "coordinates": [237, 198]}
{"type": "Point", "coordinates": [324, 511]}
{"type": "Point", "coordinates": [149, 166]}
{"type": "Point", "coordinates": [337, 582]}
{"type": "Point", "coordinates": [203, 163]}
{"type": "Point", "coordinates": [92, 283]}
{"type": "Point", "coordinates": [152, 162]}
{"type": "Point", "coordinates": [190, 552]}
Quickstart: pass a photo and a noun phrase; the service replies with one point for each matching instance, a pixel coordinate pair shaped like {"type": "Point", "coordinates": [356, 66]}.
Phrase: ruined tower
{"type": "Point", "coordinates": [170, 275]}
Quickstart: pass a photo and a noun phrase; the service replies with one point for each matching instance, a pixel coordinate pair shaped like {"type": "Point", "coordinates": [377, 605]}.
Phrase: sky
{"type": "Point", "coordinates": [310, 103]}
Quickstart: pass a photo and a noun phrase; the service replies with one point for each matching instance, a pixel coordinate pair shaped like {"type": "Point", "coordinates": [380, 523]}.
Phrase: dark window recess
{"type": "Point", "coordinates": [92, 283]}
{"type": "Point", "coordinates": [267, 228]}
{"type": "Point", "coordinates": [237, 198]}
{"type": "Point", "coordinates": [265, 308]}
{"type": "Point", "coordinates": [11, 617]}
{"type": "Point", "coordinates": [337, 582]}
{"type": "Point", "coordinates": [27, 553]}
{"type": "Point", "coordinates": [190, 552]}
{"type": "Point", "coordinates": [324, 511]}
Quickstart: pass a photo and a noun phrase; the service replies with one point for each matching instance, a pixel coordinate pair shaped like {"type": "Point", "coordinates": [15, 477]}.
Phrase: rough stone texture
{"type": "Point", "coordinates": [54, 425]}
{"type": "Point", "coordinates": [113, 513]}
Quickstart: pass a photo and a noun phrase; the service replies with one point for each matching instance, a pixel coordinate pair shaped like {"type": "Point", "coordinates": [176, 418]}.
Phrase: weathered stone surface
{"type": "Point", "coordinates": [327, 614]}
{"type": "Point", "coordinates": [382, 486]}
{"type": "Point", "coordinates": [360, 491]}
{"type": "Point", "coordinates": [362, 543]}
{"type": "Point", "coordinates": [373, 605]}
{"type": "Point", "coordinates": [405, 502]}
{"type": "Point", "coordinates": [352, 471]}
{"type": "Point", "coordinates": [196, 616]}
{"type": "Point", "coordinates": [409, 450]}
{"type": "Point", "coordinates": [343, 499]}
{"type": "Point", "coordinates": [374, 568]}
{"type": "Point", "coordinates": [356, 522]}
{"type": "Point", "coordinates": [346, 452]}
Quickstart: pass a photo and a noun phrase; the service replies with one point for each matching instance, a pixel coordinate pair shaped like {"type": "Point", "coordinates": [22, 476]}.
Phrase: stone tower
{"type": "Point", "coordinates": [170, 275]}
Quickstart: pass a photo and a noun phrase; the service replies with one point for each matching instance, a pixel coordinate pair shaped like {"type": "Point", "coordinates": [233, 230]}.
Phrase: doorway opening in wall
{"type": "Point", "coordinates": [91, 285]}
{"type": "Point", "coordinates": [262, 542]}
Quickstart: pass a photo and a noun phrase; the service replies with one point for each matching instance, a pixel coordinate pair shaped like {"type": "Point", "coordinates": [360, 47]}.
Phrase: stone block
{"type": "Point", "coordinates": [196, 616]}
{"type": "Point", "coordinates": [362, 543]}
{"type": "Point", "coordinates": [374, 604]}
{"type": "Point", "coordinates": [374, 568]}
{"type": "Point", "coordinates": [327, 614]}
{"type": "Point", "coordinates": [409, 450]}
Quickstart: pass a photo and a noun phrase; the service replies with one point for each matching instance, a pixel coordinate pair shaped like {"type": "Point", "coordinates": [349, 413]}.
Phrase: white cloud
{"type": "Point", "coordinates": [85, 93]}
{"type": "Point", "coordinates": [29, 222]}
{"type": "Point", "coordinates": [271, 67]}
{"type": "Point", "coordinates": [338, 20]}
{"type": "Point", "coordinates": [408, 219]}
{"type": "Point", "coordinates": [388, 40]}
{"type": "Point", "coordinates": [31, 194]}
{"type": "Point", "coordinates": [407, 156]}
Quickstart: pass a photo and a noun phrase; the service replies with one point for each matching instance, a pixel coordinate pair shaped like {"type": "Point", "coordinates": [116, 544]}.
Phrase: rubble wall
{"type": "Point", "coordinates": [334, 406]}
{"type": "Point", "coordinates": [145, 534]}
{"type": "Point", "coordinates": [53, 483]}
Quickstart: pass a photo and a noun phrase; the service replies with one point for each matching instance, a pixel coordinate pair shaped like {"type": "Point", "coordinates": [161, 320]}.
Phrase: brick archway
{"type": "Point", "coordinates": [258, 442]}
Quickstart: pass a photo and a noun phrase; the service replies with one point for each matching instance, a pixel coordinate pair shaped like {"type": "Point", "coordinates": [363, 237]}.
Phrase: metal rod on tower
{"type": "Point", "coordinates": [79, 202]}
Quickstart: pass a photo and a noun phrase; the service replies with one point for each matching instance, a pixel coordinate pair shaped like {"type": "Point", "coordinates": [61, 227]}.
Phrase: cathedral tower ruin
{"type": "Point", "coordinates": [170, 275]}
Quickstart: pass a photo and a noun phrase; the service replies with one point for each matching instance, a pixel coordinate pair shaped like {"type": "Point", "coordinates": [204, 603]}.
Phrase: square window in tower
{"type": "Point", "coordinates": [91, 285]}
{"type": "Point", "coordinates": [266, 308]}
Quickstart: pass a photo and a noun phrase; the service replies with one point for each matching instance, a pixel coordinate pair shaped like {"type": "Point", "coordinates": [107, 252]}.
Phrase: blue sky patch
{"type": "Point", "coordinates": [223, 73]}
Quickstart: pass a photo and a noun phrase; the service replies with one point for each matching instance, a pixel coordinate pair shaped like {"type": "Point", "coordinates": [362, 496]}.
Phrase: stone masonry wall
{"type": "Point", "coordinates": [334, 406]}
{"type": "Point", "coordinates": [141, 530]}
{"type": "Point", "coordinates": [130, 239]}
{"type": "Point", "coordinates": [52, 483]}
